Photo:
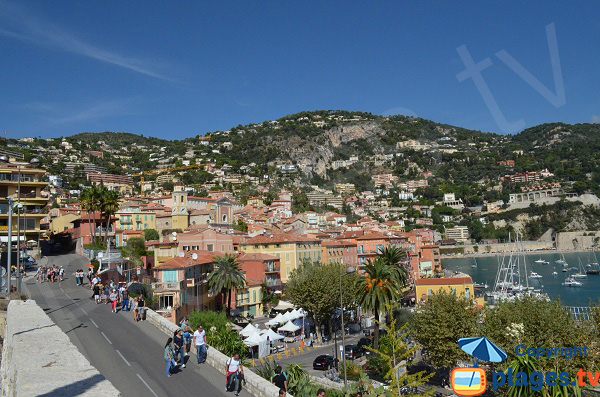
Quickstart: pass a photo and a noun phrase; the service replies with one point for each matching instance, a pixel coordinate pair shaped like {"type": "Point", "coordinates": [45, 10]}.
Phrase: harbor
{"type": "Point", "coordinates": [546, 273]}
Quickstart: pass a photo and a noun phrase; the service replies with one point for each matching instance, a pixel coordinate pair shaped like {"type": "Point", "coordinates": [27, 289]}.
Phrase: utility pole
{"type": "Point", "coordinates": [9, 259]}
{"type": "Point", "coordinates": [18, 266]}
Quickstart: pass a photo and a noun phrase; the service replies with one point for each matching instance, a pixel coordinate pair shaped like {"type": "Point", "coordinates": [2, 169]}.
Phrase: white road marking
{"type": "Point", "coordinates": [93, 322]}
{"type": "Point", "coordinates": [106, 337]}
{"type": "Point", "coordinates": [144, 382]}
{"type": "Point", "coordinates": [84, 312]}
{"type": "Point", "coordinates": [68, 296]}
{"type": "Point", "coordinates": [126, 362]}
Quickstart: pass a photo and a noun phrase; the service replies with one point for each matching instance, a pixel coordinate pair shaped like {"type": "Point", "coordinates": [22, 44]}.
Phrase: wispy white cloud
{"type": "Point", "coordinates": [22, 24]}
{"type": "Point", "coordinates": [58, 113]}
{"type": "Point", "coordinates": [595, 118]}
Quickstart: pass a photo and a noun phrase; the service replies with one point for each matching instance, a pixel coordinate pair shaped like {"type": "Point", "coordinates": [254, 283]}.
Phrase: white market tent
{"type": "Point", "coordinates": [297, 314]}
{"type": "Point", "coordinates": [271, 323]}
{"type": "Point", "coordinates": [248, 330]}
{"type": "Point", "coordinates": [256, 340]}
{"type": "Point", "coordinates": [289, 316]}
{"type": "Point", "coordinates": [283, 305]}
{"type": "Point", "coordinates": [272, 335]}
{"type": "Point", "coordinates": [280, 319]}
{"type": "Point", "coordinates": [289, 327]}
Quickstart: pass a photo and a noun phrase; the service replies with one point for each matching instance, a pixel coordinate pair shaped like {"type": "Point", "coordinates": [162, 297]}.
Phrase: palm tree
{"type": "Point", "coordinates": [385, 278]}
{"type": "Point", "coordinates": [226, 276]}
{"type": "Point", "coordinates": [110, 205]}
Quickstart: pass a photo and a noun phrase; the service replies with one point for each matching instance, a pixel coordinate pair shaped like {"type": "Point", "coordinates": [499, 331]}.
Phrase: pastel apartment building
{"type": "Point", "coordinates": [460, 286]}
{"type": "Point", "coordinates": [291, 249]}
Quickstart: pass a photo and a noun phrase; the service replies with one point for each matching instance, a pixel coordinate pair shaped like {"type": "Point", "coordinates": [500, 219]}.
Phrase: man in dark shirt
{"type": "Point", "coordinates": [279, 379]}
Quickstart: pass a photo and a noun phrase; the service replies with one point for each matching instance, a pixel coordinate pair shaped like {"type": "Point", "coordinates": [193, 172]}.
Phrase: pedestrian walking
{"type": "Point", "coordinates": [125, 298]}
{"type": "Point", "coordinates": [200, 341]}
{"type": "Point", "coordinates": [169, 356]}
{"type": "Point", "coordinates": [282, 393]}
{"type": "Point", "coordinates": [97, 293]}
{"type": "Point", "coordinates": [320, 393]}
{"type": "Point", "coordinates": [140, 309]}
{"type": "Point", "coordinates": [280, 380]}
{"type": "Point", "coordinates": [178, 345]}
{"type": "Point", "coordinates": [113, 300]}
{"type": "Point", "coordinates": [234, 372]}
{"type": "Point", "coordinates": [61, 273]}
{"type": "Point", "coordinates": [187, 335]}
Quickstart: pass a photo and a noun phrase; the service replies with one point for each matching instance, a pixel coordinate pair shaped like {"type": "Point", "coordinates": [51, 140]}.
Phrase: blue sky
{"type": "Point", "coordinates": [178, 69]}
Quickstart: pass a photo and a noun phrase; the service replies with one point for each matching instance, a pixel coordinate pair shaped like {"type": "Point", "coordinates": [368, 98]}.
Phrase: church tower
{"type": "Point", "coordinates": [179, 215]}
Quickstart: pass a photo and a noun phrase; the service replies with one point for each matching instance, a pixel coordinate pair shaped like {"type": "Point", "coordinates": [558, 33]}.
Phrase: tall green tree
{"type": "Point", "coordinates": [226, 276]}
{"type": "Point", "coordinates": [440, 322]}
{"type": "Point", "coordinates": [151, 234]}
{"type": "Point", "coordinates": [315, 288]}
{"type": "Point", "coordinates": [382, 285]}
{"type": "Point", "coordinates": [108, 206]}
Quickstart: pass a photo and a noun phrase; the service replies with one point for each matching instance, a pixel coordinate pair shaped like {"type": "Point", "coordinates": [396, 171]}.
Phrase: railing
{"type": "Point", "coordinates": [271, 269]}
{"type": "Point", "coordinates": [4, 228]}
{"type": "Point", "coordinates": [243, 301]}
{"type": "Point", "coordinates": [273, 283]}
{"type": "Point", "coordinates": [166, 285]}
{"type": "Point", "coordinates": [15, 178]}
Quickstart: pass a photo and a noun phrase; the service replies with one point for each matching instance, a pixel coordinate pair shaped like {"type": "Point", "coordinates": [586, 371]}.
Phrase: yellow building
{"type": "Point", "coordinates": [454, 285]}
{"type": "Point", "coordinates": [135, 220]}
{"type": "Point", "coordinates": [291, 249]}
{"type": "Point", "coordinates": [249, 300]}
{"type": "Point", "coordinates": [31, 199]}
{"type": "Point", "coordinates": [180, 216]}
{"type": "Point", "coordinates": [62, 222]}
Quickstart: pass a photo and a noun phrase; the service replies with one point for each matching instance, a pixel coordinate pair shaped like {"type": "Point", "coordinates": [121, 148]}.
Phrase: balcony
{"type": "Point", "coordinates": [271, 269]}
{"type": "Point", "coordinates": [273, 283]}
{"type": "Point", "coordinates": [168, 286]}
{"type": "Point", "coordinates": [242, 301]}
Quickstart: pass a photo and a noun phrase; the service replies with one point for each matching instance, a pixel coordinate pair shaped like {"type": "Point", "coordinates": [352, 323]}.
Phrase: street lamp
{"type": "Point", "coordinates": [349, 270]}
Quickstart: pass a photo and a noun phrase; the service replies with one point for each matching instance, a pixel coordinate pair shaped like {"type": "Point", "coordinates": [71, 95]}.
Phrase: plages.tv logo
{"type": "Point", "coordinates": [472, 381]}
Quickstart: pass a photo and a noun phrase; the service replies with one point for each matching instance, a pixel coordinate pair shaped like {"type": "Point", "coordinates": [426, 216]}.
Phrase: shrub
{"type": "Point", "coordinates": [218, 332]}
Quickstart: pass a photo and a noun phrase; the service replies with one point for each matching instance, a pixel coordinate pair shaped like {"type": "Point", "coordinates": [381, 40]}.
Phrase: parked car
{"type": "Point", "coordinates": [362, 342]}
{"type": "Point", "coordinates": [353, 351]}
{"type": "Point", "coordinates": [325, 362]}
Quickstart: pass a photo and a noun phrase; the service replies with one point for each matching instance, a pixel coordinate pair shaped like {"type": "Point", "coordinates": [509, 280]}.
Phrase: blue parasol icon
{"type": "Point", "coordinates": [481, 348]}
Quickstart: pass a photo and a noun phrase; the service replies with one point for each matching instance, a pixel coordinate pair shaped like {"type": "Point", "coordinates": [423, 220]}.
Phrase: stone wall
{"type": "Point", "coordinates": [39, 359]}
{"type": "Point", "coordinates": [578, 241]}
{"type": "Point", "coordinates": [256, 385]}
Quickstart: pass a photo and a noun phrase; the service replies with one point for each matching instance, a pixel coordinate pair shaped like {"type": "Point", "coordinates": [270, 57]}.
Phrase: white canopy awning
{"type": "Point", "coordinates": [254, 339]}
{"type": "Point", "coordinates": [283, 305]}
{"type": "Point", "coordinates": [270, 334]}
{"type": "Point", "coordinates": [280, 319]}
{"type": "Point", "coordinates": [248, 330]}
{"type": "Point", "coordinates": [297, 314]}
{"type": "Point", "coordinates": [271, 323]}
{"type": "Point", "coordinates": [289, 327]}
{"type": "Point", "coordinates": [289, 316]}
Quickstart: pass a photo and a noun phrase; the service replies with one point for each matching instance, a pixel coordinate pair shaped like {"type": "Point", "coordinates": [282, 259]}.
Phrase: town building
{"type": "Point", "coordinates": [291, 249]}
{"type": "Point", "coordinates": [120, 183]}
{"type": "Point", "coordinates": [458, 233]}
{"type": "Point", "coordinates": [460, 286]}
{"type": "Point", "coordinates": [30, 198]}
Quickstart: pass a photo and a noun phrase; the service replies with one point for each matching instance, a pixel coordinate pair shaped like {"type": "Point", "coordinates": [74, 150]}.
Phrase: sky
{"type": "Point", "coordinates": [178, 69]}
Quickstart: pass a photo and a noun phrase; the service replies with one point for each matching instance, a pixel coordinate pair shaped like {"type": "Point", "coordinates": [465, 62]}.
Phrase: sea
{"type": "Point", "coordinates": [487, 267]}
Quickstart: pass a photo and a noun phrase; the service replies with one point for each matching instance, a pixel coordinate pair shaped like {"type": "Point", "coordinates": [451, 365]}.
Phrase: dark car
{"type": "Point", "coordinates": [363, 342]}
{"type": "Point", "coordinates": [325, 362]}
{"type": "Point", "coordinates": [352, 328]}
{"type": "Point", "coordinates": [353, 351]}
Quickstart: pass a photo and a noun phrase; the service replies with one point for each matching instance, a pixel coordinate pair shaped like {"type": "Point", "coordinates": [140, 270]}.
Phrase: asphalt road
{"type": "Point", "coordinates": [128, 354]}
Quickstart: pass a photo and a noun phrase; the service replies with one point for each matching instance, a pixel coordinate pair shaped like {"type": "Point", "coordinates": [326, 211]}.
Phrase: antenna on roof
{"type": "Point", "coordinates": [194, 256]}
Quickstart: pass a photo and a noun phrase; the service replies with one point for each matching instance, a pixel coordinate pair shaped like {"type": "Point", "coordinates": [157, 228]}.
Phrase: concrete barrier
{"type": "Point", "coordinates": [256, 385]}
{"type": "Point", "coordinates": [38, 359]}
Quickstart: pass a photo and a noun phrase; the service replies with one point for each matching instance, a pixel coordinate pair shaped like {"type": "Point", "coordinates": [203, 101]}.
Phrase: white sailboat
{"type": "Point", "coordinates": [581, 273]}
{"type": "Point", "coordinates": [542, 262]}
{"type": "Point", "coordinates": [562, 260]}
{"type": "Point", "coordinates": [535, 275]}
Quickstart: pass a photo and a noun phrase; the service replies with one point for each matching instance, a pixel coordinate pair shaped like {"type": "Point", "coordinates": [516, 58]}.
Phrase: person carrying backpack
{"type": "Point", "coordinates": [234, 371]}
{"type": "Point", "coordinates": [280, 380]}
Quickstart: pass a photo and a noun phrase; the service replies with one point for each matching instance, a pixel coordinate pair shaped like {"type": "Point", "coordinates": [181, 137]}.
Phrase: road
{"type": "Point", "coordinates": [128, 354]}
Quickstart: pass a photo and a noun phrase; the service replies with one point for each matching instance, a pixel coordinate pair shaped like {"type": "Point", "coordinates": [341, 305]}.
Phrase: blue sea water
{"type": "Point", "coordinates": [486, 269]}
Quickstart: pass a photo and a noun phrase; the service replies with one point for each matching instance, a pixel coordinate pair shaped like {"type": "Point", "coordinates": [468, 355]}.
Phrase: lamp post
{"type": "Point", "coordinates": [349, 270]}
